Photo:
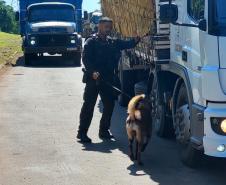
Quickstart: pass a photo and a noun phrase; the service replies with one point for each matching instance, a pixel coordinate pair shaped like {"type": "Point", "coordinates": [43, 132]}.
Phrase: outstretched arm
{"type": "Point", "coordinates": [122, 44]}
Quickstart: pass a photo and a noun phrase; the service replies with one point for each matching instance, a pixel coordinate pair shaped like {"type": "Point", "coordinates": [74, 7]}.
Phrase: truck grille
{"type": "Point", "coordinates": [49, 30]}
{"type": "Point", "coordinates": [53, 40]}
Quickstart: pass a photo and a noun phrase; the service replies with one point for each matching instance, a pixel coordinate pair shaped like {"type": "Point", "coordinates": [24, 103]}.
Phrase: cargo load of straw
{"type": "Point", "coordinates": [130, 17]}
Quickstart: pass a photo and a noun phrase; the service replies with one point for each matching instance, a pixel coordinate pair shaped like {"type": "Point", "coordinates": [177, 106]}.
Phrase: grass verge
{"type": "Point", "coordinates": [10, 48]}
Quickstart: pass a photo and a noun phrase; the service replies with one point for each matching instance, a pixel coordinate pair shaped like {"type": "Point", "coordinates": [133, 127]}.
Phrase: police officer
{"type": "Point", "coordinates": [101, 55]}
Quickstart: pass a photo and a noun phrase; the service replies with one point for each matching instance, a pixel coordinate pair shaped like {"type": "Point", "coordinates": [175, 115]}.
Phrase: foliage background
{"type": "Point", "coordinates": [7, 19]}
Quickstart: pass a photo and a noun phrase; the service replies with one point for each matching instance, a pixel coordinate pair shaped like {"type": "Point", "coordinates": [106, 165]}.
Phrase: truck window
{"type": "Point", "coordinates": [220, 13]}
{"type": "Point", "coordinates": [95, 19]}
{"type": "Point", "coordinates": [51, 13]}
{"type": "Point", "coordinates": [217, 17]}
{"type": "Point", "coordinates": [196, 9]}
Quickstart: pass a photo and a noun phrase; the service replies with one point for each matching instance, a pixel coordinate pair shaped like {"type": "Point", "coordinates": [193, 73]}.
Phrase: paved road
{"type": "Point", "coordinates": [39, 111]}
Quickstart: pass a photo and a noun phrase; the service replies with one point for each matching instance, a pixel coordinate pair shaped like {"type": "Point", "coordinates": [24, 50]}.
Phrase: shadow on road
{"type": "Point", "coordinates": [47, 62]}
{"type": "Point", "coordinates": [104, 146]}
{"type": "Point", "coordinates": [161, 160]}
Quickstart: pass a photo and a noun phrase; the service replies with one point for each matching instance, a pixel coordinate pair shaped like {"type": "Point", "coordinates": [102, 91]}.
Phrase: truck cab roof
{"type": "Point", "coordinates": [50, 3]}
{"type": "Point", "coordinates": [97, 14]}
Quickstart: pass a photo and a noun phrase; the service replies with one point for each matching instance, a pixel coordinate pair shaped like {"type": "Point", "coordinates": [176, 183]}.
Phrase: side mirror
{"type": "Point", "coordinates": [85, 15]}
{"type": "Point", "coordinates": [17, 16]}
{"type": "Point", "coordinates": [168, 13]}
{"type": "Point", "coordinates": [202, 25]}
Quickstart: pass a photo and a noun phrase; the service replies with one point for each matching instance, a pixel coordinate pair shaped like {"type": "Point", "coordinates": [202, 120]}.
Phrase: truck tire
{"type": "Point", "coordinates": [188, 154]}
{"type": "Point", "coordinates": [77, 59]}
{"type": "Point", "coordinates": [126, 86]}
{"type": "Point", "coordinates": [28, 58]}
{"type": "Point", "coordinates": [163, 124]}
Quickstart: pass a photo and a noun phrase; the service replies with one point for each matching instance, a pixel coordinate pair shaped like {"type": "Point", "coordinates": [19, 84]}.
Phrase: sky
{"type": "Point", "coordinates": [12, 2]}
{"type": "Point", "coordinates": [89, 5]}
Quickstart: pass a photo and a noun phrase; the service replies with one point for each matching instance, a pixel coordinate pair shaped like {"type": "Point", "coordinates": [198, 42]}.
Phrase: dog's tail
{"type": "Point", "coordinates": [133, 113]}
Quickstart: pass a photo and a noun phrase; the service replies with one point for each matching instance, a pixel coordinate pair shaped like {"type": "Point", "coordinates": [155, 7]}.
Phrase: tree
{"type": "Point", "coordinates": [7, 18]}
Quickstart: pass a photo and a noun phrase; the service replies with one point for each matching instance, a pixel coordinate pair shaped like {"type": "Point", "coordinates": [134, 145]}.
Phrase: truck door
{"type": "Point", "coordinates": [191, 50]}
{"type": "Point", "coordinates": [186, 42]}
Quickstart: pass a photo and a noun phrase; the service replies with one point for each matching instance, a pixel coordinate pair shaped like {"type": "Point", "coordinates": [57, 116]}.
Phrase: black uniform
{"type": "Point", "coordinates": [101, 56]}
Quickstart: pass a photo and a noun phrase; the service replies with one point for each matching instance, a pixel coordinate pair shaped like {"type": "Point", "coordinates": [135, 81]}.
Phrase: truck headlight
{"type": "Point", "coordinates": [221, 148]}
{"type": "Point", "coordinates": [33, 42]}
{"type": "Point", "coordinates": [73, 41]}
{"type": "Point", "coordinates": [223, 125]}
{"type": "Point", "coordinates": [219, 125]}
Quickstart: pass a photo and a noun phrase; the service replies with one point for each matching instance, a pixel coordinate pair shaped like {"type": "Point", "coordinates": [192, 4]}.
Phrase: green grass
{"type": "Point", "coordinates": [10, 48]}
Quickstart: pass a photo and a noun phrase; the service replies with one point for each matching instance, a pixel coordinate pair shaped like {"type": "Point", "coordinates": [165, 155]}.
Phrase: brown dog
{"type": "Point", "coordinates": [138, 125]}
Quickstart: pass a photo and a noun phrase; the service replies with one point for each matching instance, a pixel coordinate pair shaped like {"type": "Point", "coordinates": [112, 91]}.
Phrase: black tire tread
{"type": "Point", "coordinates": [188, 154]}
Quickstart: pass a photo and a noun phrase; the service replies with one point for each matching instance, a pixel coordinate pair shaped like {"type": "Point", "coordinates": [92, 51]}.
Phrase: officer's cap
{"type": "Point", "coordinates": [105, 19]}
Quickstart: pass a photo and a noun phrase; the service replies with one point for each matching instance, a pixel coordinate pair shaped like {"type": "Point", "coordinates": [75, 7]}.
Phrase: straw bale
{"type": "Point", "coordinates": [130, 17]}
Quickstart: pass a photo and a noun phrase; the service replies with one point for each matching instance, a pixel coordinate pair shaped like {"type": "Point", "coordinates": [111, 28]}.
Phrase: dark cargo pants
{"type": "Point", "coordinates": [92, 90]}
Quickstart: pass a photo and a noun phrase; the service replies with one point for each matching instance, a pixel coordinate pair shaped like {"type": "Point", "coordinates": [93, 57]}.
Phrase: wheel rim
{"type": "Point", "coordinates": [157, 112]}
{"type": "Point", "coordinates": [158, 117]}
{"type": "Point", "coordinates": [182, 129]}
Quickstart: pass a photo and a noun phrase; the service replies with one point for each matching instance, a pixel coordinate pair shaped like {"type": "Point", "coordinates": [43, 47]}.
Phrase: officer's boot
{"type": "Point", "coordinates": [105, 134]}
{"type": "Point", "coordinates": [105, 121]}
{"type": "Point", "coordinates": [83, 137]}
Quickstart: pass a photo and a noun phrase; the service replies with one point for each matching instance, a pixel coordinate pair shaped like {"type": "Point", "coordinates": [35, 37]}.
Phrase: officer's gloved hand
{"type": "Point", "coordinates": [137, 39]}
{"type": "Point", "coordinates": [96, 75]}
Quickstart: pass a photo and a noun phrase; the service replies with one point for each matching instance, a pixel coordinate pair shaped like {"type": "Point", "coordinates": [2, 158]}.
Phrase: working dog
{"type": "Point", "coordinates": [138, 125]}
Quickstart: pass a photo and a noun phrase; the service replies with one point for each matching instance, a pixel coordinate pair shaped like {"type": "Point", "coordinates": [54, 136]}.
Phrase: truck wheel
{"type": "Point", "coordinates": [188, 154]}
{"type": "Point", "coordinates": [163, 123]}
{"type": "Point", "coordinates": [28, 57]}
{"type": "Point", "coordinates": [127, 86]}
{"type": "Point", "coordinates": [77, 59]}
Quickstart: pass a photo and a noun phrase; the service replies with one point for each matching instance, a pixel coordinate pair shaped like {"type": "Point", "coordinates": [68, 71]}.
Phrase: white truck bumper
{"type": "Point", "coordinates": [213, 143]}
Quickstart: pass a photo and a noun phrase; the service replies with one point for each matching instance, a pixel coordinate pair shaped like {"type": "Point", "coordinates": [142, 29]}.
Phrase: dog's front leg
{"type": "Point", "coordinates": [136, 152]}
{"type": "Point", "coordinates": [131, 155]}
{"type": "Point", "coordinates": [139, 148]}
{"type": "Point", "coordinates": [139, 144]}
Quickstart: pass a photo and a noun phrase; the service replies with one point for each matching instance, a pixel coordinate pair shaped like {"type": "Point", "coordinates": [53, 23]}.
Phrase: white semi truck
{"type": "Point", "coordinates": [184, 72]}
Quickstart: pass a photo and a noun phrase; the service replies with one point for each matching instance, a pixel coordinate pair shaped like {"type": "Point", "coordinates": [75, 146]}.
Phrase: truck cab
{"type": "Point", "coordinates": [191, 84]}
{"type": "Point", "coordinates": [50, 27]}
